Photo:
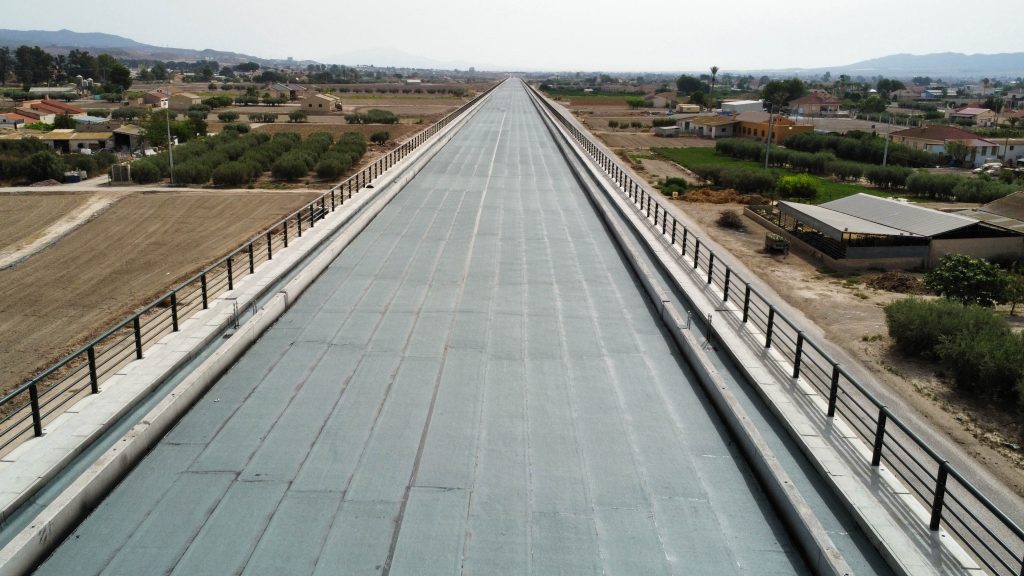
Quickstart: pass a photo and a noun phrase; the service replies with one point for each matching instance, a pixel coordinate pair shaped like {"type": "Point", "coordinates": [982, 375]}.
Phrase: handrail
{"type": "Point", "coordinates": [92, 361]}
{"type": "Point", "coordinates": [977, 533]}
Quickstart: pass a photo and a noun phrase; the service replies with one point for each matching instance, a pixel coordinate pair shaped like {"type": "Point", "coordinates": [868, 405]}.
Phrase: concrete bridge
{"type": "Point", "coordinates": [494, 364]}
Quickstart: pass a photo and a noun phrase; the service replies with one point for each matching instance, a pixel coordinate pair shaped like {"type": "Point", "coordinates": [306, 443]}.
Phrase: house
{"type": "Point", "coordinates": [320, 104]}
{"type": "Point", "coordinates": [183, 101]}
{"type": "Point", "coordinates": [974, 116]}
{"type": "Point", "coordinates": [933, 138]}
{"type": "Point", "coordinates": [55, 107]}
{"type": "Point", "coordinates": [739, 106]}
{"type": "Point", "coordinates": [64, 140]}
{"type": "Point", "coordinates": [156, 99]}
{"type": "Point", "coordinates": [289, 91]}
{"type": "Point", "coordinates": [1010, 150]}
{"type": "Point", "coordinates": [666, 131]}
{"type": "Point", "coordinates": [756, 125]}
{"type": "Point", "coordinates": [815, 104]}
{"type": "Point", "coordinates": [14, 120]}
{"type": "Point", "coordinates": [711, 126]}
{"type": "Point", "coordinates": [687, 108]}
{"type": "Point", "coordinates": [863, 231]}
{"type": "Point", "coordinates": [36, 115]}
{"type": "Point", "coordinates": [660, 100]}
{"type": "Point", "coordinates": [128, 136]}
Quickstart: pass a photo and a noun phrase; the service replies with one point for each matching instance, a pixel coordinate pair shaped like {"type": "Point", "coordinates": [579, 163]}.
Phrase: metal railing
{"type": "Point", "coordinates": [28, 408]}
{"type": "Point", "coordinates": [994, 539]}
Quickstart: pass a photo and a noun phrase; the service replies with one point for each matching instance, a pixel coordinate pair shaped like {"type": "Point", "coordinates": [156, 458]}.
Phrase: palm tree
{"type": "Point", "coordinates": [714, 75]}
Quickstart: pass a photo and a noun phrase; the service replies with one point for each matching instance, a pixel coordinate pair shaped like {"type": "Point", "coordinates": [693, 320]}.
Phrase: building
{"type": "Point", "coordinates": [46, 91]}
{"type": "Point", "coordinates": [974, 116]}
{"type": "Point", "coordinates": [320, 104]}
{"type": "Point", "coordinates": [660, 100]}
{"type": "Point", "coordinates": [756, 125]}
{"type": "Point", "coordinates": [183, 101]}
{"type": "Point", "coordinates": [815, 104]}
{"type": "Point", "coordinates": [688, 108]}
{"type": "Point", "coordinates": [711, 126]}
{"type": "Point", "coordinates": [740, 106]}
{"type": "Point", "coordinates": [289, 91]}
{"type": "Point", "coordinates": [1006, 213]}
{"type": "Point", "coordinates": [128, 136]}
{"type": "Point", "coordinates": [72, 141]}
{"type": "Point", "coordinates": [933, 138]}
{"type": "Point", "coordinates": [14, 120]}
{"type": "Point", "coordinates": [35, 115]}
{"type": "Point", "coordinates": [666, 131]}
{"type": "Point", "coordinates": [1010, 151]}
{"type": "Point", "coordinates": [55, 106]}
{"type": "Point", "coordinates": [156, 99]}
{"type": "Point", "coordinates": [864, 231]}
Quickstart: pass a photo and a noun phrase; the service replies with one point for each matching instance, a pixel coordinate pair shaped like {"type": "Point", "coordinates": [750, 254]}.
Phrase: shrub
{"type": "Point", "coordinates": [662, 122]}
{"type": "Point", "coordinates": [748, 181]}
{"type": "Point", "coordinates": [967, 280]}
{"type": "Point", "coordinates": [380, 137]}
{"type": "Point", "coordinates": [219, 101]}
{"type": "Point", "coordinates": [145, 172]}
{"type": "Point", "coordinates": [730, 219]}
{"type": "Point", "coordinates": [613, 123]}
{"type": "Point", "coordinates": [844, 170]}
{"type": "Point", "coordinates": [231, 174]}
{"type": "Point", "coordinates": [81, 162]}
{"type": "Point", "coordinates": [671, 185]}
{"type": "Point", "coordinates": [918, 326]}
{"type": "Point", "coordinates": [798, 186]}
{"type": "Point", "coordinates": [985, 360]}
{"type": "Point", "coordinates": [297, 116]}
{"type": "Point", "coordinates": [888, 177]}
{"type": "Point", "coordinates": [289, 167]}
{"type": "Point", "coordinates": [329, 168]}
{"type": "Point", "coordinates": [43, 165]}
{"type": "Point", "coordinates": [98, 112]}
{"type": "Point", "coordinates": [192, 172]}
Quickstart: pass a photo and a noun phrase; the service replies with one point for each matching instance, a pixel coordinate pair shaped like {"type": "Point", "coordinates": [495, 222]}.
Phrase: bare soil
{"type": "Point", "coordinates": [25, 215]}
{"type": "Point", "coordinates": [852, 317]}
{"type": "Point", "coordinates": [117, 262]}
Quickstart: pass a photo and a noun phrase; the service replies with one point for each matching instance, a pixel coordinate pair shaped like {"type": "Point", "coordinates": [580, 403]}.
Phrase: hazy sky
{"type": "Point", "coordinates": [546, 34]}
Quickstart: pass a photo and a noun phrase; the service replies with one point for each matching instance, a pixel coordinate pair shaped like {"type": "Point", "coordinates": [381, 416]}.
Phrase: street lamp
{"type": "Point", "coordinates": [170, 148]}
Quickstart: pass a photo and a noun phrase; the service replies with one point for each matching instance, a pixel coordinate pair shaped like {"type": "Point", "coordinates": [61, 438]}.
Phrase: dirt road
{"type": "Point", "coordinates": [113, 264]}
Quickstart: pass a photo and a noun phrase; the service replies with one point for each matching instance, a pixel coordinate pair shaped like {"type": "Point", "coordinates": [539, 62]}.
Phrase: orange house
{"type": "Point", "coordinates": [755, 125]}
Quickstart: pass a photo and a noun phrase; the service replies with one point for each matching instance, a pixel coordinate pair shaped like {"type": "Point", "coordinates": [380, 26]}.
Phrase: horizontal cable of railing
{"type": "Point", "coordinates": [869, 418]}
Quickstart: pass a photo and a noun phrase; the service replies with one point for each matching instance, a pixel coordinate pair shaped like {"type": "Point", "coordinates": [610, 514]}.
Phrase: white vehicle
{"type": "Point", "coordinates": [988, 168]}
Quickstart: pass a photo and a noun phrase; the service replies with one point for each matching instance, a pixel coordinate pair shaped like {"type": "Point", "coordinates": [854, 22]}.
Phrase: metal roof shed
{"type": "Point", "coordinates": [899, 215]}
{"type": "Point", "coordinates": [836, 224]}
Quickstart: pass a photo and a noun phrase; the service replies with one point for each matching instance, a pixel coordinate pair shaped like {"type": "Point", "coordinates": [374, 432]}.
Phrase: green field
{"type": "Point", "coordinates": [695, 158]}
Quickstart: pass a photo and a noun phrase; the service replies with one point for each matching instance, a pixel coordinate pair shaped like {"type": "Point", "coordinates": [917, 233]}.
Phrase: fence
{"type": "Point", "coordinates": [25, 410]}
{"type": "Point", "coordinates": [994, 539]}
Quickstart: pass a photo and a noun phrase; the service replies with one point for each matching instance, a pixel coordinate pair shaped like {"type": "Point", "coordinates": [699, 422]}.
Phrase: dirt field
{"type": "Point", "coordinates": [25, 215]}
{"type": "Point", "coordinates": [851, 316]}
{"type": "Point", "coordinates": [122, 259]}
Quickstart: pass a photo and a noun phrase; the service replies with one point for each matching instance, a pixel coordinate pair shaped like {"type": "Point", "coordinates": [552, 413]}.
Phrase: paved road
{"type": "Point", "coordinates": [475, 386]}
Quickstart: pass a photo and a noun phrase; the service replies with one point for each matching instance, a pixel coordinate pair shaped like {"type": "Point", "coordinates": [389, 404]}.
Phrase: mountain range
{"type": "Point", "coordinates": [946, 65]}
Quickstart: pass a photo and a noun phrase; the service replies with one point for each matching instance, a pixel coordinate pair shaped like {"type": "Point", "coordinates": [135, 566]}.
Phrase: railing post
{"type": "Point", "coordinates": [174, 311]}
{"type": "Point", "coordinates": [202, 284]}
{"type": "Point", "coordinates": [940, 496]}
{"type": "Point", "coordinates": [312, 214]}
{"type": "Point", "coordinates": [686, 232]}
{"type": "Point", "coordinates": [298, 222]}
{"type": "Point", "coordinates": [673, 232]}
{"type": "Point", "coordinates": [876, 455]}
{"type": "Point", "coordinates": [725, 287]}
{"type": "Point", "coordinates": [138, 337]}
{"type": "Point", "coordinates": [771, 326]}
{"type": "Point", "coordinates": [696, 253]}
{"type": "Point", "coordinates": [332, 199]}
{"type": "Point", "coordinates": [833, 391]}
{"type": "Point", "coordinates": [37, 416]}
{"type": "Point", "coordinates": [799, 353]}
{"type": "Point", "coordinates": [746, 303]}
{"type": "Point", "coordinates": [664, 221]}
{"type": "Point", "coordinates": [94, 380]}
{"type": "Point", "coordinates": [252, 259]}
{"type": "Point", "coordinates": [711, 267]}
{"type": "Point", "coordinates": [270, 247]}
{"type": "Point", "coordinates": [231, 272]}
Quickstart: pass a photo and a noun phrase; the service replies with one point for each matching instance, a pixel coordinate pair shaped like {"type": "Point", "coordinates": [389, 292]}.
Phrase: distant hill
{"type": "Point", "coordinates": [59, 41]}
{"type": "Point", "coordinates": [946, 65]}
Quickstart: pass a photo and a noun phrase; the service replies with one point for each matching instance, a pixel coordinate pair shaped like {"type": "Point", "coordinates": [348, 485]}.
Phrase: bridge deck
{"type": "Point", "coordinates": [476, 385]}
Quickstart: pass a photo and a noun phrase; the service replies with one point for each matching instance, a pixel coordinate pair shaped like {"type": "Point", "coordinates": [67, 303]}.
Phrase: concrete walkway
{"type": "Point", "coordinates": [476, 385]}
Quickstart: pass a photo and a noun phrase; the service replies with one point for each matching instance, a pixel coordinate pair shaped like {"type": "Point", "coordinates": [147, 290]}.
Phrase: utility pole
{"type": "Point", "coordinates": [885, 154]}
{"type": "Point", "coordinates": [768, 139]}
{"type": "Point", "coordinates": [170, 148]}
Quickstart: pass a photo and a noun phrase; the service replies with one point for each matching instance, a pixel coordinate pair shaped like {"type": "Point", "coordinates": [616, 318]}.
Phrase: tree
{"type": "Point", "coordinates": [32, 65]}
{"type": "Point", "coordinates": [6, 63]}
{"type": "Point", "coordinates": [128, 114]}
{"type": "Point", "coordinates": [714, 76]}
{"type": "Point", "coordinates": [297, 116]}
{"type": "Point", "coordinates": [1013, 291]}
{"type": "Point", "coordinates": [873, 105]}
{"type": "Point", "coordinates": [967, 280]}
{"type": "Point", "coordinates": [380, 137]}
{"type": "Point", "coordinates": [957, 151]}
{"type": "Point", "coordinates": [228, 116]}
{"type": "Point", "coordinates": [698, 98]}
{"type": "Point", "coordinates": [159, 72]}
{"type": "Point", "coordinates": [64, 121]}
{"type": "Point", "coordinates": [247, 67]}
{"type": "Point", "coordinates": [43, 166]}
{"type": "Point", "coordinates": [780, 92]}
{"type": "Point", "coordinates": [120, 76]}
{"type": "Point", "coordinates": [688, 84]}
{"type": "Point", "coordinates": [886, 86]}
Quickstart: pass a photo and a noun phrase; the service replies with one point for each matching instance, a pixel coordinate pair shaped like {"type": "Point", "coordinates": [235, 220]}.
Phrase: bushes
{"type": "Point", "coordinates": [742, 149]}
{"type": "Point", "coordinates": [671, 185]}
{"type": "Point", "coordinates": [662, 122]}
{"type": "Point", "coordinates": [264, 118]}
{"type": "Point", "coordinates": [218, 101]}
{"type": "Point", "coordinates": [959, 188]}
{"type": "Point", "coordinates": [861, 147]}
{"type": "Point", "coordinates": [731, 219]}
{"type": "Point", "coordinates": [973, 344]}
{"type": "Point", "coordinates": [192, 172]}
{"type": "Point", "coordinates": [380, 138]}
{"type": "Point", "coordinates": [297, 116]}
{"type": "Point", "coordinates": [145, 172]}
{"type": "Point", "coordinates": [844, 170]}
{"type": "Point", "coordinates": [373, 116]}
{"type": "Point", "coordinates": [329, 168]}
{"type": "Point", "coordinates": [290, 167]}
{"type": "Point", "coordinates": [231, 174]}
{"type": "Point", "coordinates": [613, 123]}
{"type": "Point", "coordinates": [799, 186]}
{"type": "Point", "coordinates": [229, 116]}
{"type": "Point", "coordinates": [967, 280]}
{"type": "Point", "coordinates": [888, 177]}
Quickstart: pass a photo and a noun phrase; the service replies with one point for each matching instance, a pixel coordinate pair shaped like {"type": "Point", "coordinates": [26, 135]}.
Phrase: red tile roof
{"type": "Point", "coordinates": [55, 107]}
{"type": "Point", "coordinates": [817, 98]}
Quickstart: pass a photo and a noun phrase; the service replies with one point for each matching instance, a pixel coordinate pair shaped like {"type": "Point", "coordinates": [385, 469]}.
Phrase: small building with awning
{"type": "Point", "coordinates": [864, 231]}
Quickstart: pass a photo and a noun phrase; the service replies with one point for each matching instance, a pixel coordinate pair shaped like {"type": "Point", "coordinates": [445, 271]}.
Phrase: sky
{"type": "Point", "coordinates": [593, 35]}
